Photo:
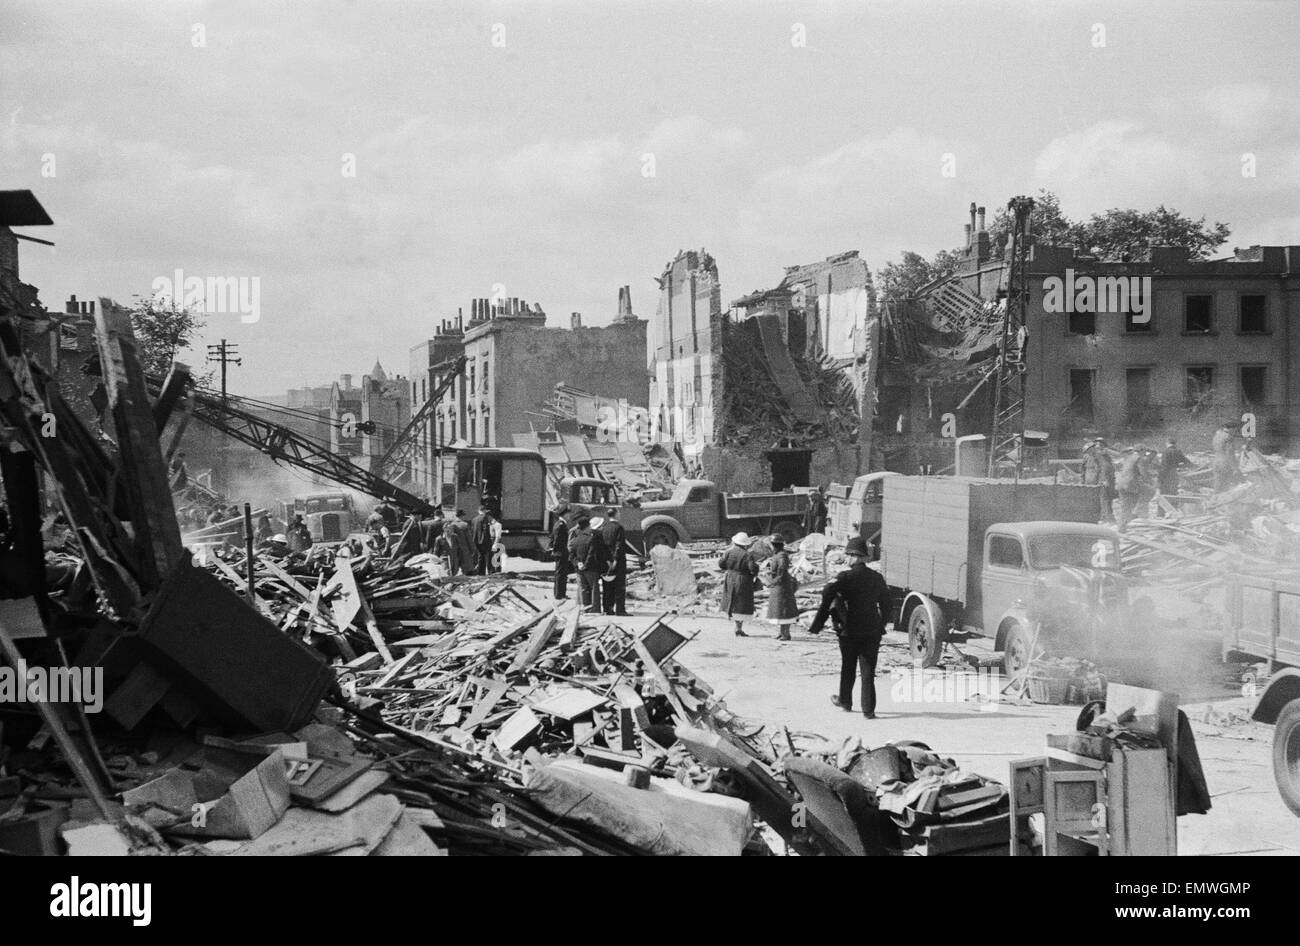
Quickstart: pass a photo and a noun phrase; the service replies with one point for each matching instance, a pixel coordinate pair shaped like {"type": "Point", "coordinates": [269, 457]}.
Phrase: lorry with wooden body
{"type": "Point", "coordinates": [698, 511]}
{"type": "Point", "coordinates": [1023, 563]}
{"type": "Point", "coordinates": [1263, 622]}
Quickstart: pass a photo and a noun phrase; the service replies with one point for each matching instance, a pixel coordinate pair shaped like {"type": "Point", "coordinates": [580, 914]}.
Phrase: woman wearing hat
{"type": "Point", "coordinates": [739, 571]}
{"type": "Point", "coordinates": [782, 609]}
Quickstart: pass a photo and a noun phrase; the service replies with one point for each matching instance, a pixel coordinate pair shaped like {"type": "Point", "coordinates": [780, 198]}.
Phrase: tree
{"type": "Point", "coordinates": [902, 280]}
{"type": "Point", "coordinates": [1114, 235]}
{"type": "Point", "coordinates": [162, 332]}
{"type": "Point", "coordinates": [1119, 234]}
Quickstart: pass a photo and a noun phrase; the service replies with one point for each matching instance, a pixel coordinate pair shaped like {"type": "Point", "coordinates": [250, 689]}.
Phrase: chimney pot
{"type": "Point", "coordinates": [72, 308]}
{"type": "Point", "coordinates": [967, 228]}
{"type": "Point", "coordinates": [980, 215]}
{"type": "Point", "coordinates": [575, 320]}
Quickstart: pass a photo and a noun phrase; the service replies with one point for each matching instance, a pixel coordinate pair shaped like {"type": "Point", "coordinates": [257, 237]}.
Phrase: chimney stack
{"type": "Point", "coordinates": [625, 304]}
{"type": "Point", "coordinates": [575, 320]}
{"type": "Point", "coordinates": [72, 308]}
{"type": "Point", "coordinates": [347, 381]}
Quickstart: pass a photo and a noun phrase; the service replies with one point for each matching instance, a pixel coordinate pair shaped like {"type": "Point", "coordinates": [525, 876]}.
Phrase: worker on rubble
{"type": "Point", "coordinates": [586, 550]}
{"type": "Point", "coordinates": [858, 602]}
{"type": "Point", "coordinates": [484, 538]}
{"type": "Point", "coordinates": [560, 551]}
{"type": "Point", "coordinates": [814, 517]}
{"type": "Point", "coordinates": [1171, 461]}
{"type": "Point", "coordinates": [264, 528]}
{"type": "Point", "coordinates": [462, 548]}
{"type": "Point", "coordinates": [388, 512]}
{"type": "Point", "coordinates": [614, 594]}
{"type": "Point", "coordinates": [1226, 466]}
{"type": "Point", "coordinates": [1099, 470]}
{"type": "Point", "coordinates": [431, 527]}
{"type": "Point", "coordinates": [299, 536]}
{"type": "Point", "coordinates": [1129, 483]}
{"type": "Point", "coordinates": [277, 546]}
{"type": "Point", "coordinates": [739, 571]}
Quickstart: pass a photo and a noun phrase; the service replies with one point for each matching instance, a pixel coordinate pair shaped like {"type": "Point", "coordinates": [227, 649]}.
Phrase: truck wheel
{"type": "Point", "coordinates": [1015, 651]}
{"type": "Point", "coordinates": [1286, 755]}
{"type": "Point", "coordinates": [789, 530]}
{"type": "Point", "coordinates": [660, 535]}
{"type": "Point", "coordinates": [924, 640]}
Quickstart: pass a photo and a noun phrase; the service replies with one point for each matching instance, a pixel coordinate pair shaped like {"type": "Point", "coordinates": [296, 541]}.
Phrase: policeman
{"type": "Point", "coordinates": [860, 601]}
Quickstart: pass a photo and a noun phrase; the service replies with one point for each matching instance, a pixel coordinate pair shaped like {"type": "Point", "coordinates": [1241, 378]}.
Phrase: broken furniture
{"type": "Point", "coordinates": [1098, 795]}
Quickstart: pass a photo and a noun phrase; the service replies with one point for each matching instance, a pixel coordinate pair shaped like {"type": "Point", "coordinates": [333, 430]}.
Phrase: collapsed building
{"type": "Point", "coordinates": [770, 394]}
{"type": "Point", "coordinates": [1131, 350]}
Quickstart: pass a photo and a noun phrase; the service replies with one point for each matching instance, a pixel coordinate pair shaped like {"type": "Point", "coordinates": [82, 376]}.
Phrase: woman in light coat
{"type": "Point", "coordinates": [782, 610]}
{"type": "Point", "coordinates": [739, 571]}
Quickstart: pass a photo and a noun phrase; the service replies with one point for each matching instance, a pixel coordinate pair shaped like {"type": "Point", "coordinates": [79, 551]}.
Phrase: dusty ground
{"type": "Point", "coordinates": [790, 684]}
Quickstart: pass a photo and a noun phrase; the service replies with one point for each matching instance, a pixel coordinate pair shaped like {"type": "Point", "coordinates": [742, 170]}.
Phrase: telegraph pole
{"type": "Point", "coordinates": [227, 354]}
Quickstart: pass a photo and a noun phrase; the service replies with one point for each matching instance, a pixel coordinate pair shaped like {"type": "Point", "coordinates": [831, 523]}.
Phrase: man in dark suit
{"type": "Point", "coordinates": [614, 594]}
{"type": "Point", "coordinates": [560, 552]}
{"type": "Point", "coordinates": [587, 551]}
{"type": "Point", "coordinates": [483, 539]}
{"type": "Point", "coordinates": [859, 600]}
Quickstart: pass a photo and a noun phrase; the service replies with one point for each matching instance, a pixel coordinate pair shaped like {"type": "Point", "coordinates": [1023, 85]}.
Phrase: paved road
{"type": "Point", "coordinates": [790, 685]}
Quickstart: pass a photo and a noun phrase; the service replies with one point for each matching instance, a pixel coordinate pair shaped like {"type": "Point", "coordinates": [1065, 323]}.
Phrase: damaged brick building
{"type": "Point", "coordinates": [769, 394]}
{"type": "Point", "coordinates": [1158, 347]}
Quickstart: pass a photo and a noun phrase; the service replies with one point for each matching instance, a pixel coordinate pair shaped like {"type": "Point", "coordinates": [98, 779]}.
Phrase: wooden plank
{"type": "Point", "coordinates": [570, 635]}
{"type": "Point", "coordinates": [536, 641]}
{"type": "Point", "coordinates": [144, 472]}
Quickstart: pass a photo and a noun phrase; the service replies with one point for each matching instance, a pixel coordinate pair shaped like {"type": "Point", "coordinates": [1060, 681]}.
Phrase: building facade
{"type": "Point", "coordinates": [513, 365]}
{"type": "Point", "coordinates": [1210, 342]}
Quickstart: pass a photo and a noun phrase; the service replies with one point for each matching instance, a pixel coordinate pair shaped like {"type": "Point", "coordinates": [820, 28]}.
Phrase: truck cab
{"type": "Point", "coordinates": [854, 510]}
{"type": "Point", "coordinates": [330, 517]}
{"type": "Point", "coordinates": [1061, 577]}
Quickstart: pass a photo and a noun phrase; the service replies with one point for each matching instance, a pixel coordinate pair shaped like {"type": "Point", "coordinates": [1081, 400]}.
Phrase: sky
{"type": "Point", "coordinates": [375, 165]}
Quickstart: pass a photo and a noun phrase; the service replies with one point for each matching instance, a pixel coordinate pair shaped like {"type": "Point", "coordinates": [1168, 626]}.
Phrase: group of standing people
{"type": "Point", "coordinates": [465, 546]}
{"type": "Point", "coordinates": [595, 549]}
{"type": "Point", "coordinates": [1130, 476]}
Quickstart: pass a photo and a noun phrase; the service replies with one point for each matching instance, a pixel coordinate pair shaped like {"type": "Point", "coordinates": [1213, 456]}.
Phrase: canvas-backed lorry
{"type": "Point", "coordinates": [1023, 563]}
{"type": "Point", "coordinates": [699, 511]}
{"type": "Point", "coordinates": [1264, 624]}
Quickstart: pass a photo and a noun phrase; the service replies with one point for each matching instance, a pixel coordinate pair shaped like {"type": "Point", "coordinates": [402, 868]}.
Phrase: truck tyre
{"type": "Point", "coordinates": [924, 640]}
{"type": "Point", "coordinates": [660, 535]}
{"type": "Point", "coordinates": [789, 530]}
{"type": "Point", "coordinates": [1015, 651]}
{"type": "Point", "coordinates": [1286, 755]}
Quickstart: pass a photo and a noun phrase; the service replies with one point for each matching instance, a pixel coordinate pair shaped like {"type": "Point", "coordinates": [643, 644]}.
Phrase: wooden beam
{"type": "Point", "coordinates": [144, 472]}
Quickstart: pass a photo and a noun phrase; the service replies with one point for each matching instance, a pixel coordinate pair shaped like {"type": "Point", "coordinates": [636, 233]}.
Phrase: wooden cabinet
{"type": "Point", "coordinates": [1123, 807]}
